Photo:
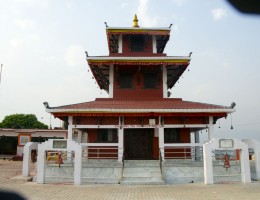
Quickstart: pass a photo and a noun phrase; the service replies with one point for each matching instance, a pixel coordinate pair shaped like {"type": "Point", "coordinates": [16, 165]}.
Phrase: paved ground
{"type": "Point", "coordinates": [30, 190]}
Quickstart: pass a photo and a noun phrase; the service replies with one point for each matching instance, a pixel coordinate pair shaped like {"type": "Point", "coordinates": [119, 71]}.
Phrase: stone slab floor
{"type": "Point", "coordinates": [11, 180]}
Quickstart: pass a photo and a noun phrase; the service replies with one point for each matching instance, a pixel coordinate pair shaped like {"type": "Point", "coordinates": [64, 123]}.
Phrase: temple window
{"type": "Point", "coordinates": [107, 135]}
{"type": "Point", "coordinates": [171, 135]}
{"type": "Point", "coordinates": [137, 43]}
{"type": "Point", "coordinates": [150, 80]}
{"type": "Point", "coordinates": [126, 80]}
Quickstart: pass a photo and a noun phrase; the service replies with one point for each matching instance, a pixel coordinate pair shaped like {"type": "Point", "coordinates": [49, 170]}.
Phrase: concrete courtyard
{"type": "Point", "coordinates": [11, 180]}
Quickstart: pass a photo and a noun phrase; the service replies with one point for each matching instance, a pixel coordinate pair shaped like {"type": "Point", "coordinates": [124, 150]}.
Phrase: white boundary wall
{"type": "Point", "coordinates": [256, 161]}
{"type": "Point", "coordinates": [244, 157]}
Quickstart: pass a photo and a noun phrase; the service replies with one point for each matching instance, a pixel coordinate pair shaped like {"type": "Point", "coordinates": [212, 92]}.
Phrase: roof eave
{"type": "Point", "coordinates": [105, 110]}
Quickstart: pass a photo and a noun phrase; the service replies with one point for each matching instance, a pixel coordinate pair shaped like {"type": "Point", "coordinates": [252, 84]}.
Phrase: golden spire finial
{"type": "Point", "coordinates": [135, 21]}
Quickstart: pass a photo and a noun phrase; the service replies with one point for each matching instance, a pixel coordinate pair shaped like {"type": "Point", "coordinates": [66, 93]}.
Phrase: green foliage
{"type": "Point", "coordinates": [26, 121]}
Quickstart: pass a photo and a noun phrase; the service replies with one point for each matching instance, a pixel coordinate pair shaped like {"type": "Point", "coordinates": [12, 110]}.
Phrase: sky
{"type": "Point", "coordinates": [43, 44]}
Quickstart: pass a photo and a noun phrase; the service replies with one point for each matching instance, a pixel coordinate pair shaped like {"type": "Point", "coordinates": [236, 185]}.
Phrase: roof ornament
{"type": "Point", "coordinates": [86, 53]}
{"type": "Point", "coordinates": [106, 24]}
{"type": "Point", "coordinates": [190, 54]}
{"type": "Point", "coordinates": [135, 22]}
{"type": "Point", "coordinates": [170, 26]}
{"type": "Point", "coordinates": [233, 104]}
{"type": "Point", "coordinates": [46, 104]}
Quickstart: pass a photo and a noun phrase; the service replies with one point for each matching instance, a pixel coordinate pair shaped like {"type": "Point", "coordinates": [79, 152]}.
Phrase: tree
{"type": "Point", "coordinates": [29, 121]}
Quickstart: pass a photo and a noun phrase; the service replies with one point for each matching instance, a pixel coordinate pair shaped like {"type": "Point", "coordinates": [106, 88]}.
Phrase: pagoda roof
{"type": "Point", "coordinates": [175, 66]}
{"type": "Point", "coordinates": [160, 107]}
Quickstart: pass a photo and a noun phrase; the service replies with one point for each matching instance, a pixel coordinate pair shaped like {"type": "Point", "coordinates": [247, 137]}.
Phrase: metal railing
{"type": "Point", "coordinates": [102, 151]}
{"type": "Point", "coordinates": [182, 154]}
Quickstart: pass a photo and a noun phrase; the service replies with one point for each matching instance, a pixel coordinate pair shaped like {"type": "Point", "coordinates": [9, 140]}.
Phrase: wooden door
{"type": "Point", "coordinates": [138, 144]}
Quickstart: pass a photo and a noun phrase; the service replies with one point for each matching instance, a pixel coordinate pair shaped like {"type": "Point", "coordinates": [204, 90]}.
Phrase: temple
{"type": "Point", "coordinates": [143, 131]}
{"type": "Point", "coordinates": [139, 115]}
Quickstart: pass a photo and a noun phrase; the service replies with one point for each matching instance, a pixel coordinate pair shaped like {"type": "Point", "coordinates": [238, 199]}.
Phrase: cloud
{"type": "Point", "coordinates": [123, 5]}
{"type": "Point", "coordinates": [218, 13]}
{"type": "Point", "coordinates": [74, 55]}
{"type": "Point", "coordinates": [16, 43]}
{"type": "Point", "coordinates": [179, 2]}
{"type": "Point", "coordinates": [24, 23]}
{"type": "Point", "coordinates": [33, 3]}
{"type": "Point", "coordinates": [142, 12]}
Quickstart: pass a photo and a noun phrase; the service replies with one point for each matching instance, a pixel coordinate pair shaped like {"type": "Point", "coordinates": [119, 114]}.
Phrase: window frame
{"type": "Point", "coordinates": [104, 134]}
{"type": "Point", "coordinates": [137, 43]}
{"type": "Point", "coordinates": [146, 83]}
{"type": "Point", "coordinates": [172, 135]}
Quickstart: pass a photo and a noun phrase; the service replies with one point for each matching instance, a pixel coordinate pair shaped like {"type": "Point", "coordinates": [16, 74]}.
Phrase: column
{"type": "Point", "coordinates": [26, 159]}
{"type": "Point", "coordinates": [70, 120]}
{"type": "Point", "coordinates": [79, 136]}
{"type": "Point", "coordinates": [41, 164]}
{"type": "Point", "coordinates": [111, 81]}
{"type": "Point", "coordinates": [161, 141]}
{"type": "Point", "coordinates": [197, 149]}
{"type": "Point", "coordinates": [207, 161]}
{"type": "Point", "coordinates": [154, 44]}
{"type": "Point", "coordinates": [245, 166]}
{"type": "Point", "coordinates": [120, 44]}
{"type": "Point", "coordinates": [120, 144]}
{"type": "Point", "coordinates": [78, 165]}
{"type": "Point", "coordinates": [211, 128]}
{"type": "Point", "coordinates": [164, 82]}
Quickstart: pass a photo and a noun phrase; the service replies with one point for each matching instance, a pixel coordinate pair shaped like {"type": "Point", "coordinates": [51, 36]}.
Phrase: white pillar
{"type": "Point", "coordinates": [79, 136]}
{"type": "Point", "coordinates": [78, 165]}
{"type": "Point", "coordinates": [70, 120]}
{"type": "Point", "coordinates": [257, 161]}
{"type": "Point", "coordinates": [197, 149]}
{"type": "Point", "coordinates": [211, 128]}
{"type": "Point", "coordinates": [41, 164]}
{"type": "Point", "coordinates": [164, 82]}
{"type": "Point", "coordinates": [161, 141]}
{"type": "Point", "coordinates": [111, 81]}
{"type": "Point", "coordinates": [154, 44]}
{"type": "Point", "coordinates": [120, 144]}
{"type": "Point", "coordinates": [245, 167]}
{"type": "Point", "coordinates": [120, 44]}
{"type": "Point", "coordinates": [26, 160]}
{"type": "Point", "coordinates": [208, 166]}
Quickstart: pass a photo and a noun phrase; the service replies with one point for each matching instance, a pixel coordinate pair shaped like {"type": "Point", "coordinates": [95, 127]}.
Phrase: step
{"type": "Point", "coordinates": [142, 181]}
{"type": "Point", "coordinates": [140, 169]}
{"type": "Point", "coordinates": [141, 163]}
{"type": "Point", "coordinates": [100, 180]}
{"type": "Point", "coordinates": [147, 174]}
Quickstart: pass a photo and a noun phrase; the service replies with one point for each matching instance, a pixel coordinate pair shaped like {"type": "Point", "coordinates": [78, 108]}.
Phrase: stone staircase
{"type": "Point", "coordinates": [143, 172]}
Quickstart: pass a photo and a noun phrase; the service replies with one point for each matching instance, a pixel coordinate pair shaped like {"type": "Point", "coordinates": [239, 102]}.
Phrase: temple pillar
{"type": "Point", "coordinates": [210, 129]}
{"type": "Point", "coordinates": [161, 141]}
{"type": "Point", "coordinates": [79, 136]}
{"type": "Point", "coordinates": [111, 81]}
{"type": "Point", "coordinates": [197, 149]}
{"type": "Point", "coordinates": [70, 120]}
{"type": "Point", "coordinates": [120, 144]}
{"type": "Point", "coordinates": [165, 87]}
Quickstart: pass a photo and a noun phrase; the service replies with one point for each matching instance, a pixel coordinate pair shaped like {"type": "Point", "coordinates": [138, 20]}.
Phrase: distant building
{"type": "Point", "coordinates": [12, 141]}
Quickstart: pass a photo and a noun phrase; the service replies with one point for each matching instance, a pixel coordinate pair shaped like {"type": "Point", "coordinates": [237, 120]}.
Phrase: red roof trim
{"type": "Point", "coordinates": [140, 114]}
